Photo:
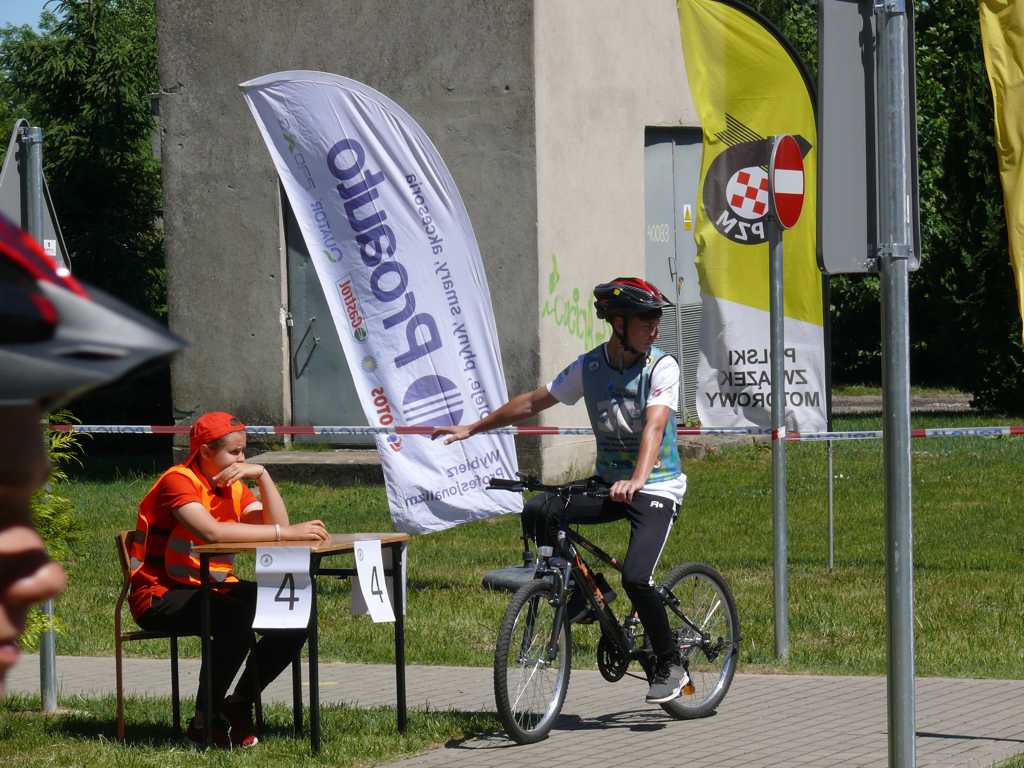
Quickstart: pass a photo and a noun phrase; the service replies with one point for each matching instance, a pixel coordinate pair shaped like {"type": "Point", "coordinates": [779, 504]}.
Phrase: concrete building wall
{"type": "Point", "coordinates": [537, 106]}
{"type": "Point", "coordinates": [463, 69]}
{"type": "Point", "coordinates": [604, 71]}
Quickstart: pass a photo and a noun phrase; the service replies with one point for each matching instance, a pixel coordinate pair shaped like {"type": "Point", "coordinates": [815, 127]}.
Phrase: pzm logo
{"type": "Point", "coordinates": [736, 190]}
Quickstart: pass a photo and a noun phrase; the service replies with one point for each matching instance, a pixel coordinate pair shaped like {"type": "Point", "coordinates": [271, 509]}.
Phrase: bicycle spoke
{"type": "Point", "coordinates": [712, 612]}
{"type": "Point", "coordinates": [533, 671]}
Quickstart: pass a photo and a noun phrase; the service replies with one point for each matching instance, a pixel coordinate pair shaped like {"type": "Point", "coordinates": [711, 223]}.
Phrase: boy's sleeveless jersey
{"type": "Point", "coordinates": [616, 401]}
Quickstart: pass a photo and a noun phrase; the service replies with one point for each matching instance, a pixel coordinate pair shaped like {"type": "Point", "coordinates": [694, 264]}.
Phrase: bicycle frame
{"type": "Point", "coordinates": [570, 567]}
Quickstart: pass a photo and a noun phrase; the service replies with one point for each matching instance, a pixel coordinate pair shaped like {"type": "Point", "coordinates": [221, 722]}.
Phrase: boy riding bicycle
{"type": "Point", "coordinates": [631, 390]}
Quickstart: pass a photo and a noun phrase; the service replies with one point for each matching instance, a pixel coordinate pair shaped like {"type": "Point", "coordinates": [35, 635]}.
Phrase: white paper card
{"type": "Point", "coordinates": [370, 570]}
{"type": "Point", "coordinates": [284, 594]}
{"type": "Point", "coordinates": [359, 605]}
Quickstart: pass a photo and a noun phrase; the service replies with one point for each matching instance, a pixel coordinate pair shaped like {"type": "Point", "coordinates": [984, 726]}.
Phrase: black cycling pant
{"type": "Point", "coordinates": [650, 521]}
{"type": "Point", "coordinates": [231, 614]}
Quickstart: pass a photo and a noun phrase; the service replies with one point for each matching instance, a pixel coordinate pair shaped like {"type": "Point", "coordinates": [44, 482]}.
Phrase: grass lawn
{"type": "Point", "coordinates": [84, 736]}
{"type": "Point", "coordinates": [858, 390]}
{"type": "Point", "coordinates": [968, 561]}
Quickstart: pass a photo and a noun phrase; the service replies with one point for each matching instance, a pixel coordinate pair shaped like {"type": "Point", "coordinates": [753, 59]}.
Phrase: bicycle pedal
{"type": "Point", "coordinates": [585, 617]}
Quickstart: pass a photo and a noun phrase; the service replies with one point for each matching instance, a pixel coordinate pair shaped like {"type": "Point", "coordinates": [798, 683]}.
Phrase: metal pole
{"type": "Point", "coordinates": [895, 238]}
{"type": "Point", "coordinates": [33, 141]}
{"type": "Point", "coordinates": [398, 582]}
{"type": "Point", "coordinates": [831, 507]}
{"type": "Point", "coordinates": [48, 663]}
{"type": "Point", "coordinates": [313, 650]}
{"type": "Point", "coordinates": [779, 521]}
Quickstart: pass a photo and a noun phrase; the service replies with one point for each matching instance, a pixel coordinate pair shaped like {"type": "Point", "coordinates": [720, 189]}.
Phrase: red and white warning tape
{"type": "Point", "coordinates": [303, 430]}
{"type": "Point", "coordinates": [344, 431]}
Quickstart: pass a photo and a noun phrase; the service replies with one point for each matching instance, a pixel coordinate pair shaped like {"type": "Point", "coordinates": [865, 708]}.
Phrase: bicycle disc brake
{"type": "Point", "coordinates": [611, 661]}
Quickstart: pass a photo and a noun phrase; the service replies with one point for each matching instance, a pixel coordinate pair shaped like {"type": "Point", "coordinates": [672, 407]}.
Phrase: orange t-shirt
{"type": "Point", "coordinates": [172, 492]}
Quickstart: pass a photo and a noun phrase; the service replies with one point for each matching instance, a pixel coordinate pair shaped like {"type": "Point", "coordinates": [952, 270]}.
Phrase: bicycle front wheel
{"type": "Point", "coordinates": [710, 647]}
{"type": "Point", "coordinates": [529, 680]}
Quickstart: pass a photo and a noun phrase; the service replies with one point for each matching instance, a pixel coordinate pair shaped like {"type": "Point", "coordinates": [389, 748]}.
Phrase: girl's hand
{"type": "Point", "coordinates": [311, 530]}
{"type": "Point", "coordinates": [240, 471]}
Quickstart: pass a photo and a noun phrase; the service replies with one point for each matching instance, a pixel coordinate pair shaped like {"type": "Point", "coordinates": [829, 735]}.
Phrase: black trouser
{"type": "Point", "coordinates": [231, 614]}
{"type": "Point", "coordinates": [650, 521]}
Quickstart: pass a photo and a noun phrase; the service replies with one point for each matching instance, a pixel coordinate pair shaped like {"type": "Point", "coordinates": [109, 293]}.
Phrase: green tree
{"type": "Point", "coordinates": [54, 514]}
{"type": "Point", "coordinates": [965, 330]}
{"type": "Point", "coordinates": [86, 77]}
{"type": "Point", "coordinates": [964, 314]}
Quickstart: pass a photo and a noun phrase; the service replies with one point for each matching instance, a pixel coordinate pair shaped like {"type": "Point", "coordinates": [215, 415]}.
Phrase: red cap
{"type": "Point", "coordinates": [209, 427]}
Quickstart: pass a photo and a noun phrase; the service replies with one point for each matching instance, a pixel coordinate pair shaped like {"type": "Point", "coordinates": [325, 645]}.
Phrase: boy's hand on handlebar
{"type": "Point", "coordinates": [310, 530]}
{"type": "Point", "coordinates": [455, 433]}
{"type": "Point", "coordinates": [623, 490]}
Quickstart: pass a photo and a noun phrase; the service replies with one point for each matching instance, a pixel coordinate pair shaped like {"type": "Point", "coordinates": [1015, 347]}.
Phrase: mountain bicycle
{"type": "Point", "coordinates": [533, 657]}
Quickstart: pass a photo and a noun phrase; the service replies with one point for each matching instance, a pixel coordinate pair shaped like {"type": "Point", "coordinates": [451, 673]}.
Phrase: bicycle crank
{"type": "Point", "coordinates": [611, 661]}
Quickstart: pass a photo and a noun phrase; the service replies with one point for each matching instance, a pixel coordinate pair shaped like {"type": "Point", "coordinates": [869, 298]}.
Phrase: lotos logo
{"type": "Point", "coordinates": [433, 400]}
{"type": "Point", "coordinates": [384, 416]}
{"type": "Point", "coordinates": [383, 406]}
{"type": "Point", "coordinates": [736, 185]}
{"type": "Point", "coordinates": [351, 303]}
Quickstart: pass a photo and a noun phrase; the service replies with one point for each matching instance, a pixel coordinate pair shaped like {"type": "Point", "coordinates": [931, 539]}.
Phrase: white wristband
{"type": "Point", "coordinates": [277, 530]}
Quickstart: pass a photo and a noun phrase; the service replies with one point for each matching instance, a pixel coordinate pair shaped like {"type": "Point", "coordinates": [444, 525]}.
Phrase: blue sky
{"type": "Point", "coordinates": [20, 12]}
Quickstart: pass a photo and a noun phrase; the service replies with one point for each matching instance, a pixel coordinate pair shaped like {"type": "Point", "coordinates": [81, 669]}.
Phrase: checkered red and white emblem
{"type": "Point", "coordinates": [747, 192]}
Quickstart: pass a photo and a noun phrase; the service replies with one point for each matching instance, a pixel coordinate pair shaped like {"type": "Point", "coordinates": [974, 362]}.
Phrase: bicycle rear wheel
{"type": "Point", "coordinates": [711, 654]}
{"type": "Point", "coordinates": [529, 687]}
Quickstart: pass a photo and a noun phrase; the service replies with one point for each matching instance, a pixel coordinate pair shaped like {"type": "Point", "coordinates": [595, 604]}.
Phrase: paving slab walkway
{"type": "Point", "coordinates": [766, 720]}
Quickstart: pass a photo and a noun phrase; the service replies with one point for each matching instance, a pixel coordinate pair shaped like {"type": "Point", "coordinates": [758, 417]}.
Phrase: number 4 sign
{"type": "Point", "coordinates": [284, 595]}
{"type": "Point", "coordinates": [372, 583]}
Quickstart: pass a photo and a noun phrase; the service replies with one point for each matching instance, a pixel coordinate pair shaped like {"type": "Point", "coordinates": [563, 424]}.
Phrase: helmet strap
{"type": "Point", "coordinates": [623, 337]}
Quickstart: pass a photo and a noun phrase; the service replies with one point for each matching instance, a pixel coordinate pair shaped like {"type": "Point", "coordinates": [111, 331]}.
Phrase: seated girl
{"type": "Point", "coordinates": [206, 500]}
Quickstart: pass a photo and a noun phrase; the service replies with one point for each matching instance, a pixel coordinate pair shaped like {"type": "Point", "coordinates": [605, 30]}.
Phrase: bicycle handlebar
{"type": "Point", "coordinates": [593, 486]}
{"type": "Point", "coordinates": [504, 484]}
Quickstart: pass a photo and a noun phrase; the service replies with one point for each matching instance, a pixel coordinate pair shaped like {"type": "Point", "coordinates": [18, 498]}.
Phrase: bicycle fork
{"type": "Point", "coordinates": [562, 571]}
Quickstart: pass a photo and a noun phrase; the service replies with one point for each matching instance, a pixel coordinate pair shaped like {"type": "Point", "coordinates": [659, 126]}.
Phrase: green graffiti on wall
{"type": "Point", "coordinates": [568, 314]}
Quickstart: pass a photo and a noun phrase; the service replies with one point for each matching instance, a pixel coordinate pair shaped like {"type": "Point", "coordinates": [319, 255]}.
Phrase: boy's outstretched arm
{"type": "Point", "coordinates": [519, 408]}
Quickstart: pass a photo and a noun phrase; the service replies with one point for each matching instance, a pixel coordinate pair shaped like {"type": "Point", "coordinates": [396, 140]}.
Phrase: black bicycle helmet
{"type": "Point", "coordinates": [626, 297]}
{"type": "Point", "coordinates": [59, 338]}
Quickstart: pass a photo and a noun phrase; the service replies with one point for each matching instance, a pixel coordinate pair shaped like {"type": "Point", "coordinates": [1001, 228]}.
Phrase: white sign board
{"type": "Point", "coordinates": [284, 594]}
{"type": "Point", "coordinates": [847, 175]}
{"type": "Point", "coordinates": [359, 604]}
{"type": "Point", "coordinates": [370, 572]}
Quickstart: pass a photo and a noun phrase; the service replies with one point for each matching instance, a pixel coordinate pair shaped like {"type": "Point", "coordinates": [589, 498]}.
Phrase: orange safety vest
{"type": "Point", "coordinates": [160, 549]}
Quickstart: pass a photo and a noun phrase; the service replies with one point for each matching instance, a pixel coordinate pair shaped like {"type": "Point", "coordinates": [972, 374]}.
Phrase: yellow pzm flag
{"type": "Point", "coordinates": [1002, 35]}
{"type": "Point", "coordinates": [748, 86]}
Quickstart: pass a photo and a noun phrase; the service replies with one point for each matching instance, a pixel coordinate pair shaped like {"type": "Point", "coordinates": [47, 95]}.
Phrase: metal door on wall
{"type": "Point", "coordinates": [322, 388]}
{"type": "Point", "coordinates": [671, 173]}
